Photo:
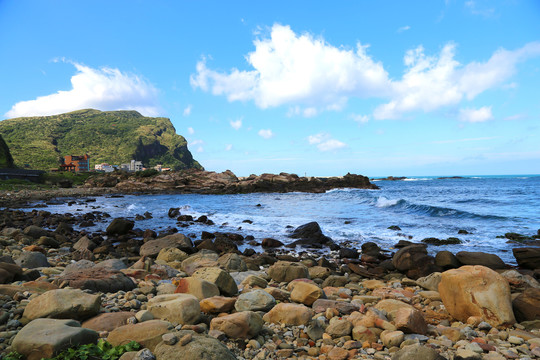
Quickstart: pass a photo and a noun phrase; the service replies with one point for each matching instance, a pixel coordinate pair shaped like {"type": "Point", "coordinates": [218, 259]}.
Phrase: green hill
{"type": "Point", "coordinates": [113, 137]}
{"type": "Point", "coordinates": [6, 161]}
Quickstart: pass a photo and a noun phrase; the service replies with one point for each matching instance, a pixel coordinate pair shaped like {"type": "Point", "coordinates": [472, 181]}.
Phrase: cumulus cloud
{"type": "Point", "coordinates": [187, 110]}
{"type": "Point", "coordinates": [476, 115]}
{"type": "Point", "coordinates": [309, 75]}
{"type": "Point", "coordinates": [266, 133]}
{"type": "Point", "coordinates": [325, 142]}
{"type": "Point", "coordinates": [297, 69]}
{"type": "Point", "coordinates": [236, 124]}
{"type": "Point", "coordinates": [103, 89]}
{"type": "Point", "coordinates": [432, 82]}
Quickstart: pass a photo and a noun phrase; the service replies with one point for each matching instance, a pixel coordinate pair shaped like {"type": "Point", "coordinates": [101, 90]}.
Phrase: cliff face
{"type": "Point", "coordinates": [112, 137]}
{"type": "Point", "coordinates": [6, 161]}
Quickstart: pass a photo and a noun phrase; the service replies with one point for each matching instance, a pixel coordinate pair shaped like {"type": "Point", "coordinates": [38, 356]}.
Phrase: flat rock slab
{"type": "Point", "coordinates": [108, 321]}
{"type": "Point", "coordinates": [44, 338]}
{"type": "Point", "coordinates": [63, 304]}
{"type": "Point", "coordinates": [147, 333]}
{"type": "Point", "coordinates": [98, 280]}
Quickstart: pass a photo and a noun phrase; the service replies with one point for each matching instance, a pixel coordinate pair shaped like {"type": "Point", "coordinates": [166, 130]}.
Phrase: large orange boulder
{"type": "Point", "coordinates": [477, 291]}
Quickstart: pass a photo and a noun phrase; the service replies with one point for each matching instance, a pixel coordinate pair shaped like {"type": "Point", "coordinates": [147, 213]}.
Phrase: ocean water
{"type": "Point", "coordinates": [486, 207]}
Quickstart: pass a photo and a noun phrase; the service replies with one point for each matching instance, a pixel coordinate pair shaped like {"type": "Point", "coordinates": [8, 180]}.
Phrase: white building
{"type": "Point", "coordinates": [104, 167]}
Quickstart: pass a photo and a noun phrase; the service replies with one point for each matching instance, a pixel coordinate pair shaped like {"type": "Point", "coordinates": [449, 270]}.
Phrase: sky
{"type": "Point", "coordinates": [379, 88]}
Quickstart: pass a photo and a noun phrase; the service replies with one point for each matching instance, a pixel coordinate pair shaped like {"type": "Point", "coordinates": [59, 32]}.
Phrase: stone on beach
{"type": "Point", "coordinates": [147, 333]}
{"type": "Point", "coordinates": [96, 279]}
{"type": "Point", "coordinates": [63, 304]}
{"type": "Point", "coordinates": [108, 321]}
{"type": "Point", "coordinates": [306, 293]}
{"type": "Point", "coordinates": [240, 325]}
{"type": "Point", "coordinates": [222, 279]}
{"type": "Point", "coordinates": [201, 347]}
{"type": "Point", "coordinates": [286, 271]}
{"type": "Point", "coordinates": [175, 308]}
{"type": "Point", "coordinates": [255, 300]}
{"type": "Point", "coordinates": [477, 291]}
{"type": "Point", "coordinates": [527, 305]}
{"type": "Point", "coordinates": [45, 338]}
{"type": "Point", "coordinates": [200, 288]}
{"type": "Point", "coordinates": [120, 226]}
{"type": "Point", "coordinates": [8, 272]}
{"type": "Point", "coordinates": [527, 257]}
{"type": "Point", "coordinates": [289, 314]}
{"type": "Point", "coordinates": [491, 261]}
{"type": "Point", "coordinates": [153, 247]}
{"type": "Point", "coordinates": [217, 304]}
{"type": "Point", "coordinates": [32, 260]}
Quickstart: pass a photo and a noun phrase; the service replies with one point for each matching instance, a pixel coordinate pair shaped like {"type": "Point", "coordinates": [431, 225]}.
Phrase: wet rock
{"type": "Point", "coordinates": [477, 291]}
{"type": "Point", "coordinates": [175, 308]}
{"type": "Point", "coordinates": [527, 305]}
{"type": "Point", "coordinates": [527, 257]}
{"type": "Point", "coordinates": [289, 314]}
{"type": "Point", "coordinates": [45, 338]}
{"type": "Point", "coordinates": [491, 261]}
{"type": "Point", "coordinates": [63, 304]}
{"type": "Point", "coordinates": [413, 257]}
{"type": "Point", "coordinates": [173, 212]}
{"type": "Point", "coordinates": [310, 234]}
{"type": "Point", "coordinates": [285, 271]}
{"type": "Point", "coordinates": [255, 300]}
{"type": "Point", "coordinates": [270, 243]}
{"type": "Point", "coordinates": [240, 325]}
{"type": "Point", "coordinates": [120, 226]}
{"type": "Point", "coordinates": [446, 260]}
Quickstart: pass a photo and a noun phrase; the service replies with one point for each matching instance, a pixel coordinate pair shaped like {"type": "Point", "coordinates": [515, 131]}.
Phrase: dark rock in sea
{"type": "Point", "coordinates": [439, 242]}
{"type": "Point", "coordinates": [173, 212]}
{"type": "Point", "coordinates": [202, 219]}
{"type": "Point", "coordinates": [414, 261]}
{"type": "Point", "coordinates": [480, 258]}
{"type": "Point", "coordinates": [310, 235]}
{"type": "Point", "coordinates": [224, 244]}
{"type": "Point", "coordinates": [446, 260]}
{"type": "Point", "coordinates": [394, 227]}
{"type": "Point", "coordinates": [207, 235]}
{"type": "Point", "coordinates": [527, 305]}
{"type": "Point", "coordinates": [463, 232]}
{"type": "Point", "coordinates": [206, 244]}
{"type": "Point", "coordinates": [403, 243]}
{"type": "Point", "coordinates": [270, 243]}
{"type": "Point", "coordinates": [517, 237]}
{"type": "Point", "coordinates": [249, 252]}
{"type": "Point", "coordinates": [527, 257]}
{"type": "Point", "coordinates": [370, 248]}
{"type": "Point", "coordinates": [346, 253]}
{"type": "Point", "coordinates": [120, 226]}
{"type": "Point", "coordinates": [392, 178]}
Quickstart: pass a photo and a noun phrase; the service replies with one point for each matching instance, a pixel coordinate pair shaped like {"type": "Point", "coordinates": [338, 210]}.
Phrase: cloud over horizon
{"type": "Point", "coordinates": [104, 89]}
{"type": "Point", "coordinates": [325, 142]}
{"type": "Point", "coordinates": [310, 75]}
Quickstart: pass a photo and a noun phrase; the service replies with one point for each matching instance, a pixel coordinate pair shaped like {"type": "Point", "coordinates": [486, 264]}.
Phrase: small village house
{"type": "Point", "coordinates": [75, 163]}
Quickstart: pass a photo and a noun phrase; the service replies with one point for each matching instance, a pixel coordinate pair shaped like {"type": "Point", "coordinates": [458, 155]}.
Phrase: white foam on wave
{"type": "Point", "coordinates": [383, 202]}
{"type": "Point", "coordinates": [417, 179]}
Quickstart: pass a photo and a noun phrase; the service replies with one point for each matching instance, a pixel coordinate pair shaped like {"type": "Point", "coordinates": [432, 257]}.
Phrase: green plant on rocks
{"type": "Point", "coordinates": [100, 351]}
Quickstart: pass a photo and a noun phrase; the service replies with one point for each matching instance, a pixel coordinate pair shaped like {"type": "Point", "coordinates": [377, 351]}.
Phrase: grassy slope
{"type": "Point", "coordinates": [114, 137]}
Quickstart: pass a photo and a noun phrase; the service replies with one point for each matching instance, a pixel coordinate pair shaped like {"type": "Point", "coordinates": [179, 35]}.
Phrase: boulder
{"type": "Point", "coordinates": [175, 308]}
{"type": "Point", "coordinates": [32, 260]}
{"type": "Point", "coordinates": [120, 226]}
{"type": "Point", "coordinates": [147, 333]}
{"type": "Point", "coordinates": [201, 347]}
{"type": "Point", "coordinates": [311, 232]}
{"type": "Point", "coordinates": [430, 282]}
{"type": "Point", "coordinates": [108, 321]}
{"type": "Point", "coordinates": [217, 304]}
{"type": "Point", "coordinates": [255, 300]}
{"type": "Point", "coordinates": [320, 305]}
{"type": "Point", "coordinates": [35, 231]}
{"type": "Point", "coordinates": [446, 260]}
{"type": "Point", "coordinates": [417, 352]}
{"type": "Point", "coordinates": [222, 279]}
{"type": "Point", "coordinates": [45, 338]}
{"type": "Point", "coordinates": [414, 261]}
{"type": "Point", "coordinates": [96, 279]}
{"type": "Point", "coordinates": [286, 271]}
{"type": "Point", "coordinates": [477, 291]}
{"type": "Point", "coordinates": [306, 293]}
{"type": "Point", "coordinates": [527, 257]}
{"type": "Point", "coordinates": [179, 241]}
{"type": "Point", "coordinates": [270, 243]}
{"type": "Point", "coordinates": [527, 305]}
{"type": "Point", "coordinates": [204, 258]}
{"type": "Point", "coordinates": [232, 262]}
{"type": "Point", "coordinates": [8, 272]}
{"type": "Point", "coordinates": [253, 281]}
{"type": "Point", "coordinates": [410, 321]}
{"type": "Point", "coordinates": [289, 314]}
{"type": "Point", "coordinates": [171, 254]}
{"type": "Point", "coordinates": [392, 338]}
{"type": "Point", "coordinates": [84, 243]}
{"type": "Point", "coordinates": [491, 261]}
{"type": "Point", "coordinates": [339, 328]}
{"type": "Point", "coordinates": [63, 304]}
{"type": "Point", "coordinates": [200, 288]}
{"type": "Point", "coordinates": [240, 325]}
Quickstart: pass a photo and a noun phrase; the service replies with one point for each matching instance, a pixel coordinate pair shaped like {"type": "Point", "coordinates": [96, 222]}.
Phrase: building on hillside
{"type": "Point", "coordinates": [104, 167]}
{"type": "Point", "coordinates": [75, 163]}
{"type": "Point", "coordinates": [160, 168]}
{"type": "Point", "coordinates": [132, 166]}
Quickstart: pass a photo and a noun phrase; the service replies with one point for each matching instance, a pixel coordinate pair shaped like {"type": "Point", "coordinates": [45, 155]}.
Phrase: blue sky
{"type": "Point", "coordinates": [370, 87]}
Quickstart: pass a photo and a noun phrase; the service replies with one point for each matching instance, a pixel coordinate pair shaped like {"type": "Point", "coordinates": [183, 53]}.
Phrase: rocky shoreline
{"type": "Point", "coordinates": [195, 296]}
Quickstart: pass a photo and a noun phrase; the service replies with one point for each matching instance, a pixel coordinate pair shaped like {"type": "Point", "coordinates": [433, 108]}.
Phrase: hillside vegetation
{"type": "Point", "coordinates": [6, 161]}
{"type": "Point", "coordinates": [113, 137]}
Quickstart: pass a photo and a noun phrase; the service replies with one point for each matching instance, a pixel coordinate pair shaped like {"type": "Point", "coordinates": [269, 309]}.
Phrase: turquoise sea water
{"type": "Point", "coordinates": [485, 206]}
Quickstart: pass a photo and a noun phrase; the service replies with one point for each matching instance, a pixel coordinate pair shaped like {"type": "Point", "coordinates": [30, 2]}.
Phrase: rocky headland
{"type": "Point", "coordinates": [196, 296]}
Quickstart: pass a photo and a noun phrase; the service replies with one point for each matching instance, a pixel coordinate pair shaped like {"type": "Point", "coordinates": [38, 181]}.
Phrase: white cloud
{"type": "Point", "coordinates": [200, 149]}
{"type": "Point", "coordinates": [190, 131]}
{"type": "Point", "coordinates": [228, 147]}
{"type": "Point", "coordinates": [309, 75]}
{"type": "Point", "coordinates": [432, 82]}
{"type": "Point", "coordinates": [187, 110]}
{"type": "Point", "coordinates": [196, 142]}
{"type": "Point", "coordinates": [236, 124]}
{"type": "Point", "coordinates": [266, 133]}
{"type": "Point", "coordinates": [403, 28]}
{"type": "Point", "coordinates": [103, 89]}
{"type": "Point", "coordinates": [476, 115]}
{"type": "Point", "coordinates": [479, 9]}
{"type": "Point", "coordinates": [362, 119]}
{"type": "Point", "coordinates": [325, 142]}
{"type": "Point", "coordinates": [297, 69]}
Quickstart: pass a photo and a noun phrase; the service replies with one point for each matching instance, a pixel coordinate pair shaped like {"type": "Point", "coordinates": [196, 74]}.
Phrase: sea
{"type": "Point", "coordinates": [486, 207]}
